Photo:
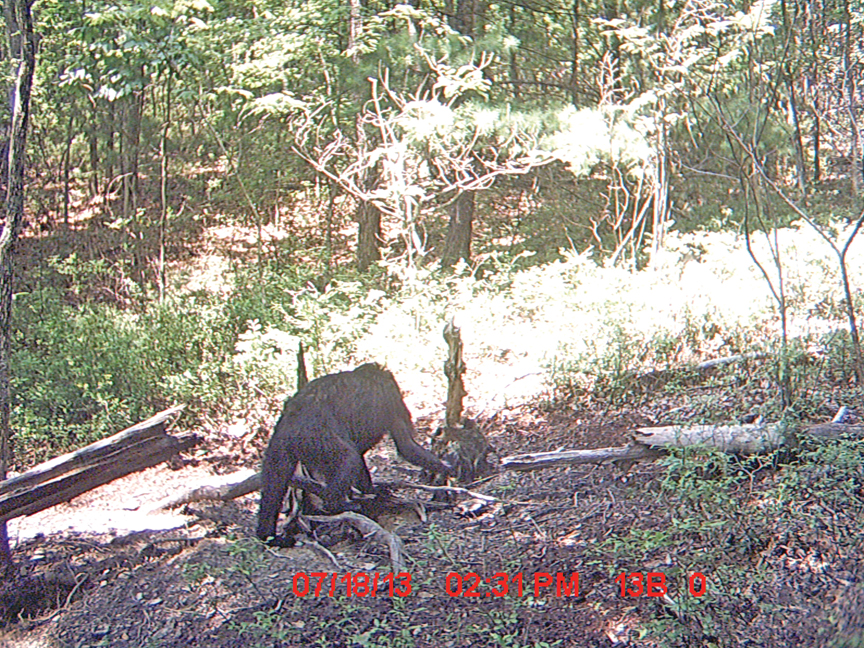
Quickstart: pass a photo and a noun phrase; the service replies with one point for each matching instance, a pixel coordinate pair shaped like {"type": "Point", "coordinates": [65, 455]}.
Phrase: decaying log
{"type": "Point", "coordinates": [466, 448]}
{"type": "Point", "coordinates": [722, 362]}
{"type": "Point", "coordinates": [537, 460]}
{"type": "Point", "coordinates": [835, 430]}
{"type": "Point", "coordinates": [59, 480]}
{"type": "Point", "coordinates": [238, 486]}
{"type": "Point", "coordinates": [651, 442]}
{"type": "Point", "coordinates": [753, 438]}
{"type": "Point", "coordinates": [460, 441]}
{"type": "Point", "coordinates": [648, 445]}
{"type": "Point", "coordinates": [454, 490]}
{"type": "Point", "coordinates": [207, 493]}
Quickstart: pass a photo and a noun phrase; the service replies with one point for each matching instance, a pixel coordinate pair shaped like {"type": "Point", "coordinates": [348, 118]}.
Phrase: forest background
{"type": "Point", "coordinates": [592, 190]}
{"type": "Point", "coordinates": [602, 195]}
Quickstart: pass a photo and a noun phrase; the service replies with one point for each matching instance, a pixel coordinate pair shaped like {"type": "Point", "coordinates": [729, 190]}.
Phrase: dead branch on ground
{"type": "Point", "coordinates": [371, 528]}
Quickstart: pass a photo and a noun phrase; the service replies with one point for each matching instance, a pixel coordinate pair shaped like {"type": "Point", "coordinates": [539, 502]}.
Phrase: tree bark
{"type": "Point", "coordinates": [368, 235]}
{"type": "Point", "coordinates": [652, 443]}
{"type": "Point", "coordinates": [660, 203]}
{"type": "Point", "coordinates": [816, 135]}
{"type": "Point", "coordinates": [23, 48]}
{"type": "Point", "coordinates": [574, 61]}
{"type": "Point", "coordinates": [207, 493]}
{"type": "Point", "coordinates": [67, 163]}
{"type": "Point", "coordinates": [355, 26]}
{"type": "Point", "coordinates": [110, 117]}
{"type": "Point", "coordinates": [813, 89]}
{"type": "Point", "coordinates": [462, 19]}
{"type": "Point", "coordinates": [367, 215]}
{"type": "Point", "coordinates": [467, 17]}
{"type": "Point", "coordinates": [163, 186]}
{"type": "Point", "coordinates": [610, 11]}
{"type": "Point", "coordinates": [459, 231]}
{"type": "Point", "coordinates": [130, 143]}
{"type": "Point", "coordinates": [797, 140]}
{"type": "Point", "coordinates": [514, 61]}
{"type": "Point", "coordinates": [850, 81]}
{"type": "Point", "coordinates": [93, 149]}
{"type": "Point", "coordinates": [302, 375]}
{"type": "Point", "coordinates": [332, 188]}
{"type": "Point", "coordinates": [454, 367]}
{"type": "Point", "coordinates": [371, 530]}
{"type": "Point", "coordinates": [623, 455]}
{"type": "Point", "coordinates": [142, 446]}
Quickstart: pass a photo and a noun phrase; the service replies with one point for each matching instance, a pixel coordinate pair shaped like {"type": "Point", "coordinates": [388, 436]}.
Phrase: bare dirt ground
{"type": "Point", "coordinates": [194, 576]}
{"type": "Point", "coordinates": [206, 582]}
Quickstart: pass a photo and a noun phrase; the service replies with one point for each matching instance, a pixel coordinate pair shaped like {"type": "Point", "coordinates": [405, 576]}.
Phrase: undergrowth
{"type": "Point", "coordinates": [83, 369]}
{"type": "Point", "coordinates": [750, 526]}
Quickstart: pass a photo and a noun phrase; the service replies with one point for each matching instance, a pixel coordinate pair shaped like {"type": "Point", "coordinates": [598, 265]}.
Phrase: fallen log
{"type": "Point", "coordinates": [537, 460]}
{"type": "Point", "coordinates": [371, 529]}
{"type": "Point", "coordinates": [835, 430]}
{"type": "Point", "coordinates": [232, 489]}
{"type": "Point", "coordinates": [141, 446]}
{"type": "Point", "coordinates": [242, 483]}
{"type": "Point", "coordinates": [650, 443]}
{"type": "Point", "coordinates": [748, 439]}
{"type": "Point", "coordinates": [753, 438]}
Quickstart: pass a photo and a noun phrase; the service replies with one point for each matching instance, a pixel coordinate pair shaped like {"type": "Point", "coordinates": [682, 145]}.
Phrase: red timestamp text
{"type": "Point", "coordinates": [637, 584]}
{"type": "Point", "coordinates": [472, 585]}
{"type": "Point", "coordinates": [351, 584]}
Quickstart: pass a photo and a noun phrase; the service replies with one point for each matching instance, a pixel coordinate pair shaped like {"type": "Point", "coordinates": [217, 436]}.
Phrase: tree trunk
{"type": "Point", "coordinates": [67, 163]}
{"type": "Point", "coordinates": [458, 243]}
{"type": "Point", "coordinates": [331, 212]}
{"type": "Point", "coordinates": [574, 61]}
{"type": "Point", "coordinates": [368, 235]}
{"type": "Point", "coordinates": [790, 78]}
{"type": "Point", "coordinates": [816, 134]}
{"type": "Point", "coordinates": [130, 144]}
{"type": "Point", "coordinates": [110, 142]}
{"type": "Point", "coordinates": [355, 25]}
{"type": "Point", "coordinates": [25, 53]}
{"type": "Point", "coordinates": [660, 202]}
{"type": "Point", "coordinates": [163, 187]}
{"type": "Point", "coordinates": [610, 11]}
{"type": "Point", "coordinates": [813, 90]}
{"type": "Point", "coordinates": [93, 148]}
{"type": "Point", "coordinates": [850, 69]}
{"type": "Point", "coordinates": [797, 140]}
{"type": "Point", "coordinates": [454, 367]}
{"type": "Point", "coordinates": [368, 217]}
{"type": "Point", "coordinates": [463, 17]}
{"type": "Point", "coordinates": [514, 61]}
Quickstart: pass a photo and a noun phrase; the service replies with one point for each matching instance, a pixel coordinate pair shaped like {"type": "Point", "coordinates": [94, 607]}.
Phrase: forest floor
{"type": "Point", "coordinates": [103, 571]}
{"type": "Point", "coordinates": [206, 582]}
{"type": "Point", "coordinates": [195, 577]}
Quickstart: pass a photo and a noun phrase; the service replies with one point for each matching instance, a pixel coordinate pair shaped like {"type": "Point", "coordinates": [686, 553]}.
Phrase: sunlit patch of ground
{"type": "Point", "coordinates": [118, 508]}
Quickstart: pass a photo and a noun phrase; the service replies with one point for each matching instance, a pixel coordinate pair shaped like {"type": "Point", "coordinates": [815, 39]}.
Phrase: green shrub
{"type": "Point", "coordinates": [83, 371]}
